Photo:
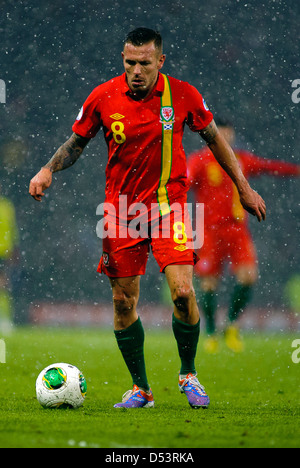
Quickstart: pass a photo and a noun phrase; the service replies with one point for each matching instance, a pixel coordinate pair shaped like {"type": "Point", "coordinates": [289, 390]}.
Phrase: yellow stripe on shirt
{"type": "Point", "coordinates": [166, 147]}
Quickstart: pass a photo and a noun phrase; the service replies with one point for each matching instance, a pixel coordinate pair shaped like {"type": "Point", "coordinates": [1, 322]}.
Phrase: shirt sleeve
{"type": "Point", "coordinates": [256, 166]}
{"type": "Point", "coordinates": [199, 115]}
{"type": "Point", "coordinates": [88, 121]}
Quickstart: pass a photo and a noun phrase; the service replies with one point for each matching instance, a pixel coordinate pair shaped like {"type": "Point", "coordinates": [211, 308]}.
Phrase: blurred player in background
{"type": "Point", "coordinates": [9, 241]}
{"type": "Point", "coordinates": [227, 236]}
{"type": "Point", "coordinates": [143, 114]}
{"type": "Point", "coordinates": [292, 293]}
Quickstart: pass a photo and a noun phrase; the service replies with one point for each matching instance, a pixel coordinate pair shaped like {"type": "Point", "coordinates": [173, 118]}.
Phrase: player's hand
{"type": "Point", "coordinates": [254, 204]}
{"type": "Point", "coordinates": [40, 182]}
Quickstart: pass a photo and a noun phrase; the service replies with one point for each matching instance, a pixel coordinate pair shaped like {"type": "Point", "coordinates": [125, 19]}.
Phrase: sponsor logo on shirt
{"type": "Point", "coordinates": [105, 258]}
{"type": "Point", "coordinates": [167, 118]}
{"type": "Point", "coordinates": [167, 115]}
{"type": "Point", "coordinates": [117, 116]}
{"type": "Point", "coordinates": [181, 248]}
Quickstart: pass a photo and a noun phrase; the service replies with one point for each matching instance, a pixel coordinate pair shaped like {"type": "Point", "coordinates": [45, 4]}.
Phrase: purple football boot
{"type": "Point", "coordinates": [194, 391]}
{"type": "Point", "coordinates": [136, 398]}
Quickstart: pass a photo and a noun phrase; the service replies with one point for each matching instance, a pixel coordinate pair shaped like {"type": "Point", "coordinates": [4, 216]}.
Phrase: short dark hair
{"type": "Point", "coordinates": [141, 36]}
{"type": "Point", "coordinates": [223, 122]}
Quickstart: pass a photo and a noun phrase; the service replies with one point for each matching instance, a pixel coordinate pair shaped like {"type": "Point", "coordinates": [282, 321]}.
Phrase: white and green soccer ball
{"type": "Point", "coordinates": [61, 385]}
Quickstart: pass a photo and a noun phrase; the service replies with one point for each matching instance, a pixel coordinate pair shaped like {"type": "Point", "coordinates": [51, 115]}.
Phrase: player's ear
{"type": "Point", "coordinates": [161, 61]}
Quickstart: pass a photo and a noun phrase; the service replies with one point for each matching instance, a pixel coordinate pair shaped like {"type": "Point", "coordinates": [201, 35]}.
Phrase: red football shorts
{"type": "Point", "coordinates": [169, 238]}
{"type": "Point", "coordinates": [225, 244]}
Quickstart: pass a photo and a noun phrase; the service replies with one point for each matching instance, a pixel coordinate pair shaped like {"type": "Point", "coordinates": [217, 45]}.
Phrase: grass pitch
{"type": "Point", "coordinates": [254, 395]}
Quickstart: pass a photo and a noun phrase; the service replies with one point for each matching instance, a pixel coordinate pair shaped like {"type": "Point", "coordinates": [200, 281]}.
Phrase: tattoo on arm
{"type": "Point", "coordinates": [68, 153]}
{"type": "Point", "coordinates": [209, 133]}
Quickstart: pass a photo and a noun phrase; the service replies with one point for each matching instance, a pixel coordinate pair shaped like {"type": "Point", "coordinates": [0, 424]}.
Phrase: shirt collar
{"type": "Point", "coordinates": [158, 88]}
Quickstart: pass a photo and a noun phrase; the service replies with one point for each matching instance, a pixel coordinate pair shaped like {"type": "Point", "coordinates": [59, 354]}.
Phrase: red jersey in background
{"type": "Point", "coordinates": [227, 238]}
{"type": "Point", "coordinates": [213, 187]}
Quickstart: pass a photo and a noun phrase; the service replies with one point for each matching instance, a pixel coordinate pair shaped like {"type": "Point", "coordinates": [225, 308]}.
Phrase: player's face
{"type": "Point", "coordinates": [142, 64]}
{"type": "Point", "coordinates": [229, 134]}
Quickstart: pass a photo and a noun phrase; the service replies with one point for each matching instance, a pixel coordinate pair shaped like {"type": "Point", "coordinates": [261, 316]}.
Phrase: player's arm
{"type": "Point", "coordinates": [250, 200]}
{"type": "Point", "coordinates": [257, 166]}
{"type": "Point", "coordinates": [64, 157]}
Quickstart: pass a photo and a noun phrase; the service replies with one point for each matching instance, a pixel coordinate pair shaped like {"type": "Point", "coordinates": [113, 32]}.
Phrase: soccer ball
{"type": "Point", "coordinates": [61, 385]}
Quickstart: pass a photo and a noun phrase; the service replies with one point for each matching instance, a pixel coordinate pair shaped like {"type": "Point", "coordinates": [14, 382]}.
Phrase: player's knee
{"type": "Point", "coordinates": [124, 304]}
{"type": "Point", "coordinates": [183, 297]}
{"type": "Point", "coordinates": [209, 284]}
{"type": "Point", "coordinates": [251, 281]}
{"type": "Point", "coordinates": [3, 281]}
{"type": "Point", "coordinates": [247, 276]}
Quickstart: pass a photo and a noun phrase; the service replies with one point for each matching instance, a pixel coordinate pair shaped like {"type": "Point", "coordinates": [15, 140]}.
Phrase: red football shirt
{"type": "Point", "coordinates": [133, 132]}
{"type": "Point", "coordinates": [213, 187]}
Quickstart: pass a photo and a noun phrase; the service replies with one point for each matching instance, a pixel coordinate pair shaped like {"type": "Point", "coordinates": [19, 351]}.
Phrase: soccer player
{"type": "Point", "coordinates": [9, 246]}
{"type": "Point", "coordinates": [143, 114]}
{"type": "Point", "coordinates": [227, 237]}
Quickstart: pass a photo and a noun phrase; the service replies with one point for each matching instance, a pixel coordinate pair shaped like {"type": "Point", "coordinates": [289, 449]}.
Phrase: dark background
{"type": "Point", "coordinates": [242, 56]}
